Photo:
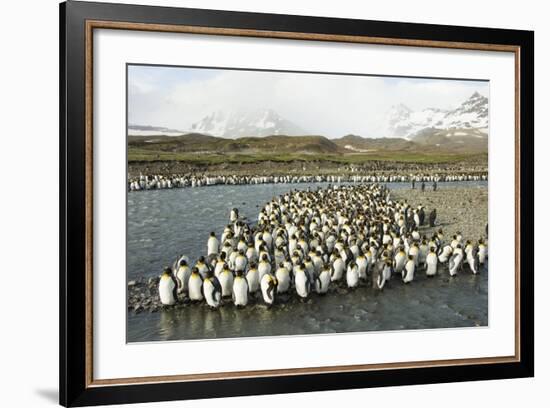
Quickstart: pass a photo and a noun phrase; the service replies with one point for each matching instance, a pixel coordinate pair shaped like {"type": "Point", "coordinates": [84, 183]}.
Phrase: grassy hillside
{"type": "Point", "coordinates": [208, 150]}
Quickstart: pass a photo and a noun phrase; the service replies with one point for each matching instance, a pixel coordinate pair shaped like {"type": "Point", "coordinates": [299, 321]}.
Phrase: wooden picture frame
{"type": "Point", "coordinates": [77, 22]}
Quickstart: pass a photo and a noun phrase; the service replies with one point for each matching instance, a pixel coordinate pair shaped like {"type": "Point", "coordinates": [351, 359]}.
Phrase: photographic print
{"type": "Point", "coordinates": [275, 203]}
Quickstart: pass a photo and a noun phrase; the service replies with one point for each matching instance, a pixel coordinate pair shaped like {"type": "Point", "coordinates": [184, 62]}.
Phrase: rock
{"type": "Point", "coordinates": [131, 283]}
{"type": "Point", "coordinates": [138, 309]}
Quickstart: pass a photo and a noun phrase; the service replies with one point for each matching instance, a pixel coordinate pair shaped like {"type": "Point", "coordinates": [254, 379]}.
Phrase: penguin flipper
{"type": "Point", "coordinates": [269, 291]}
{"type": "Point", "coordinates": [216, 283]}
{"type": "Point", "coordinates": [175, 292]}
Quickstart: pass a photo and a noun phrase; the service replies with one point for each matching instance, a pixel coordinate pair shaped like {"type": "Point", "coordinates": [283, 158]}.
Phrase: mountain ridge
{"type": "Point", "coordinates": [472, 114]}
{"type": "Point", "coordinates": [235, 124]}
{"type": "Point", "coordinates": [304, 144]}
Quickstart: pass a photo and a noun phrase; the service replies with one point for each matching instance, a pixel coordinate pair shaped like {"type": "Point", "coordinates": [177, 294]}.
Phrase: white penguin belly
{"type": "Point", "coordinates": [195, 286]}
{"type": "Point", "coordinates": [253, 279]}
{"type": "Point", "coordinates": [240, 292]}
{"type": "Point", "coordinates": [409, 272]}
{"type": "Point", "coordinates": [283, 279]}
{"type": "Point", "coordinates": [301, 284]}
{"type": "Point", "coordinates": [431, 262]}
{"type": "Point", "coordinates": [166, 291]}
{"type": "Point", "coordinates": [338, 271]}
{"type": "Point", "coordinates": [400, 261]}
{"type": "Point", "coordinates": [352, 277]}
{"type": "Point", "coordinates": [213, 246]}
{"type": "Point", "coordinates": [268, 297]}
{"type": "Point", "coordinates": [226, 282]}
{"type": "Point", "coordinates": [323, 282]}
{"type": "Point", "coordinates": [182, 275]}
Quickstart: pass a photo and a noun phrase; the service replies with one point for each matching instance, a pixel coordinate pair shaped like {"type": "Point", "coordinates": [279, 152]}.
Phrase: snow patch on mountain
{"type": "Point", "coordinates": [261, 122]}
{"type": "Point", "coordinates": [143, 130]}
{"type": "Point", "coordinates": [472, 114]}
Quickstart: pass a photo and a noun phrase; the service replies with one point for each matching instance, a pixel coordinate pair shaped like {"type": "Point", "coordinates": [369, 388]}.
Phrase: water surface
{"type": "Point", "coordinates": [163, 224]}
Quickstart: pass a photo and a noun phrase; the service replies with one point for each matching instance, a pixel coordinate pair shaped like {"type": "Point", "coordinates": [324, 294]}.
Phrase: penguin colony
{"type": "Point", "coordinates": [154, 182]}
{"type": "Point", "coordinates": [307, 241]}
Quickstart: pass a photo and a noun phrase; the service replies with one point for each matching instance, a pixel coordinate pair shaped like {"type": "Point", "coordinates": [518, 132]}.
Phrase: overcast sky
{"type": "Point", "coordinates": [323, 104]}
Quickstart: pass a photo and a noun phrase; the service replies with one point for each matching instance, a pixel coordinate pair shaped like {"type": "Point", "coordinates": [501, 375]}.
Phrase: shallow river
{"type": "Point", "coordinates": [165, 223]}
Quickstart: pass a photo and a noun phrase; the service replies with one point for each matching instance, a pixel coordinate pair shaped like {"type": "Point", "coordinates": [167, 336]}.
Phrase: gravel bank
{"type": "Point", "coordinates": [458, 209]}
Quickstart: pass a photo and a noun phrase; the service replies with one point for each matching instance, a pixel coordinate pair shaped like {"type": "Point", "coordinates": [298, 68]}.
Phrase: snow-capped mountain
{"type": "Point", "coordinates": [472, 116]}
{"type": "Point", "coordinates": [263, 122]}
{"type": "Point", "coordinates": [143, 130]}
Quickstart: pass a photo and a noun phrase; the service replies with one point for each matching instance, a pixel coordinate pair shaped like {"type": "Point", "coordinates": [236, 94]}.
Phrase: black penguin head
{"type": "Point", "coordinates": [201, 259]}
{"type": "Point", "coordinates": [167, 271]}
{"type": "Point", "coordinates": [183, 262]}
{"type": "Point", "coordinates": [195, 270]}
{"type": "Point", "coordinates": [264, 257]}
{"type": "Point", "coordinates": [212, 234]}
{"type": "Point", "coordinates": [253, 265]}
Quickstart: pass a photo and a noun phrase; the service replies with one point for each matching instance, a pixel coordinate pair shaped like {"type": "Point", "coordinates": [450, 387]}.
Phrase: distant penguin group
{"type": "Point", "coordinates": [308, 241]}
{"type": "Point", "coordinates": [161, 181]}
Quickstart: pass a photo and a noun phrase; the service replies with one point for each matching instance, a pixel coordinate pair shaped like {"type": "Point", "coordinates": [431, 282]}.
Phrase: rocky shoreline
{"type": "Point", "coordinates": [143, 297]}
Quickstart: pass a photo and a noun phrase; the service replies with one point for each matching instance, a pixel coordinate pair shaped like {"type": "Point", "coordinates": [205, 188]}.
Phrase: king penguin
{"type": "Point", "coordinates": [226, 281]}
{"type": "Point", "coordinates": [195, 285]}
{"type": "Point", "coordinates": [323, 280]}
{"type": "Point", "coordinates": [431, 262]}
{"type": "Point", "coordinates": [168, 288]}
{"type": "Point", "coordinates": [283, 278]}
{"type": "Point", "coordinates": [408, 271]}
{"type": "Point", "coordinates": [268, 285]}
{"type": "Point", "coordinates": [212, 290]}
{"type": "Point", "coordinates": [253, 278]}
{"type": "Point", "coordinates": [213, 245]}
{"type": "Point", "coordinates": [301, 281]}
{"type": "Point", "coordinates": [240, 290]}
{"type": "Point", "coordinates": [182, 276]}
